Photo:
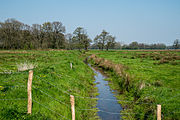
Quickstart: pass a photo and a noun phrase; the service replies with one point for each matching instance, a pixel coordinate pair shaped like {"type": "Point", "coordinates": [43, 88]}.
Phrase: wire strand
{"type": "Point", "coordinates": [78, 96]}
{"type": "Point", "coordinates": [50, 109]}
{"type": "Point", "coordinates": [52, 97]}
{"type": "Point", "coordinates": [15, 99]}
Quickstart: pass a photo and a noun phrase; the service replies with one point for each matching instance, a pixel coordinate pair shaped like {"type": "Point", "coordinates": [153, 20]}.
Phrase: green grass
{"type": "Point", "coordinates": [52, 80]}
{"type": "Point", "coordinates": [158, 72]}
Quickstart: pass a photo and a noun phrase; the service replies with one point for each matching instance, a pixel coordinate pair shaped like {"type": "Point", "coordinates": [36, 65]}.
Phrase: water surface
{"type": "Point", "coordinates": [107, 103]}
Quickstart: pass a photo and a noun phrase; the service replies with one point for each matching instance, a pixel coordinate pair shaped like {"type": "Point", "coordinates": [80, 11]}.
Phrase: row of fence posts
{"type": "Point", "coordinates": [29, 91]}
{"type": "Point", "coordinates": [72, 100]}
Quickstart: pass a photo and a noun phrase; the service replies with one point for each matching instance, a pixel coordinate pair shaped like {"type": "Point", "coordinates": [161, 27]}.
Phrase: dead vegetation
{"type": "Point", "coordinates": [119, 69]}
{"type": "Point", "coordinates": [25, 66]}
{"type": "Point", "coordinates": [13, 52]}
{"type": "Point", "coordinates": [160, 58]}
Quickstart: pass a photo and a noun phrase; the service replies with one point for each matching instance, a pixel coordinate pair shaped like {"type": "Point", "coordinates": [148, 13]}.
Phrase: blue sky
{"type": "Point", "coordinates": [147, 21]}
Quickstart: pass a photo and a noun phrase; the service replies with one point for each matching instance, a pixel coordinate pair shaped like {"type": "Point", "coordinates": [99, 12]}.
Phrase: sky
{"type": "Point", "coordinates": [144, 21]}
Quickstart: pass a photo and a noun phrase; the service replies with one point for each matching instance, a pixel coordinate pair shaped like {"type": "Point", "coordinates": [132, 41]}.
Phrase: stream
{"type": "Point", "coordinates": [107, 102]}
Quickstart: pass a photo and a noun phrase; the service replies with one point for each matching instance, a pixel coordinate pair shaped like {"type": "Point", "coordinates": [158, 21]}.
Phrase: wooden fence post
{"type": "Point", "coordinates": [72, 106]}
{"type": "Point", "coordinates": [158, 112]}
{"type": "Point", "coordinates": [71, 65]}
{"type": "Point", "coordinates": [29, 106]}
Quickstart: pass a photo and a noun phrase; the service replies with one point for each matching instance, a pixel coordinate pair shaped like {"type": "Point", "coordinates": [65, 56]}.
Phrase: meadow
{"type": "Point", "coordinates": [147, 78]}
{"type": "Point", "coordinates": [151, 78]}
{"type": "Point", "coordinates": [53, 82]}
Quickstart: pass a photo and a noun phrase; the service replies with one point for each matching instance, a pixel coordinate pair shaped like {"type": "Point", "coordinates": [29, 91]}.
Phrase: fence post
{"type": "Point", "coordinates": [158, 112]}
{"type": "Point", "coordinates": [72, 106]}
{"type": "Point", "coordinates": [29, 106]}
{"type": "Point", "coordinates": [71, 65]}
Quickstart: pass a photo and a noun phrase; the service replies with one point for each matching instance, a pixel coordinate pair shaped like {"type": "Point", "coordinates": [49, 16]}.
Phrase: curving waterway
{"type": "Point", "coordinates": [107, 103]}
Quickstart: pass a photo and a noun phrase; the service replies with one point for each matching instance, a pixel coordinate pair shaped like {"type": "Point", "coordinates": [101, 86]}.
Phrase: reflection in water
{"type": "Point", "coordinates": [105, 92]}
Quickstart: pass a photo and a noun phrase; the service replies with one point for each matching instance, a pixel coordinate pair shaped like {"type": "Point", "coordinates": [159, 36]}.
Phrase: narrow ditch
{"type": "Point", "coordinates": [109, 108]}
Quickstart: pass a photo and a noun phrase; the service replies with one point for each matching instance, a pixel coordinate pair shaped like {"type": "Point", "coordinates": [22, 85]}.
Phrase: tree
{"type": "Point", "coordinates": [26, 38]}
{"type": "Point", "coordinates": [110, 42]}
{"type": "Point", "coordinates": [118, 45]}
{"type": "Point", "coordinates": [101, 39]}
{"type": "Point", "coordinates": [10, 33]}
{"type": "Point", "coordinates": [69, 41]}
{"type": "Point", "coordinates": [58, 35]}
{"type": "Point", "coordinates": [16, 35]}
{"type": "Point", "coordinates": [141, 46]}
{"type": "Point", "coordinates": [97, 42]}
{"type": "Point", "coordinates": [160, 46]}
{"type": "Point", "coordinates": [37, 35]}
{"type": "Point", "coordinates": [133, 45]}
{"type": "Point", "coordinates": [104, 40]}
{"type": "Point", "coordinates": [176, 44]}
{"type": "Point", "coordinates": [53, 35]}
{"type": "Point", "coordinates": [47, 39]}
{"type": "Point", "coordinates": [86, 41]}
{"type": "Point", "coordinates": [81, 39]}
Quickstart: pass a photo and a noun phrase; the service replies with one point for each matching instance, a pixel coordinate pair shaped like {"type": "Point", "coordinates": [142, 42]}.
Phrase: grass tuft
{"type": "Point", "coordinates": [25, 66]}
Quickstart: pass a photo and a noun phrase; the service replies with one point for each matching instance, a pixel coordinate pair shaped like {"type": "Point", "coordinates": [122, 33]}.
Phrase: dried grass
{"type": "Point", "coordinates": [117, 68]}
{"type": "Point", "coordinates": [25, 66]}
{"type": "Point", "coordinates": [141, 86]}
{"type": "Point", "coordinates": [108, 65]}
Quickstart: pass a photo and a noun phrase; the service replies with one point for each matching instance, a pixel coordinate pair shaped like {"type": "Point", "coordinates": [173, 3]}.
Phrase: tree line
{"type": "Point", "coordinates": [17, 35]}
{"type": "Point", "coordinates": [52, 35]}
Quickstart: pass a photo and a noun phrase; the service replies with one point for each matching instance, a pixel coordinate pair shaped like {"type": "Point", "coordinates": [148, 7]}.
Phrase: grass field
{"type": "Point", "coordinates": [154, 79]}
{"type": "Point", "coordinates": [53, 81]}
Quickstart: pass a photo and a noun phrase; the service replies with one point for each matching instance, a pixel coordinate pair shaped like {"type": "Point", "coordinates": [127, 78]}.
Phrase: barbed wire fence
{"type": "Point", "coordinates": [104, 99]}
{"type": "Point", "coordinates": [72, 106]}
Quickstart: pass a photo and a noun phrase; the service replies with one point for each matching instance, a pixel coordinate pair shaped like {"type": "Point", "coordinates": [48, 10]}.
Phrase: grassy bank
{"type": "Point", "coordinates": [144, 79]}
{"type": "Point", "coordinates": [53, 81]}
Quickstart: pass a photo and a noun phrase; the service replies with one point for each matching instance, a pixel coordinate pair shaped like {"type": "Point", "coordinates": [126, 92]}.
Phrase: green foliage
{"type": "Point", "coordinates": [81, 39]}
{"type": "Point", "coordinates": [104, 40]}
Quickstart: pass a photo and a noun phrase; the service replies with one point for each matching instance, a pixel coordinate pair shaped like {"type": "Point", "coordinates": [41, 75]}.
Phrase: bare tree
{"type": "Point", "coordinates": [118, 45]}
{"type": "Point", "coordinates": [16, 35]}
{"type": "Point", "coordinates": [37, 35]}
